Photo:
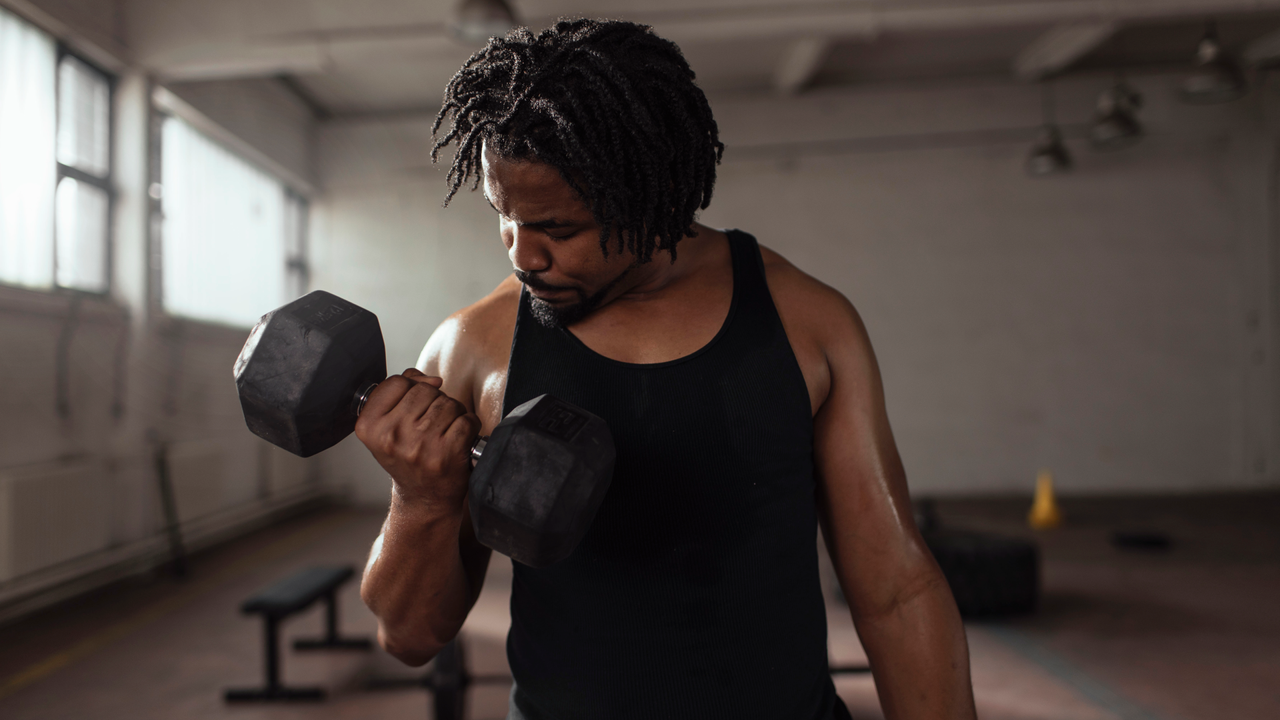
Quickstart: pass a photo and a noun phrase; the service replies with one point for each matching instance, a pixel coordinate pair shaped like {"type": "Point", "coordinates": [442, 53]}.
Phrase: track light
{"type": "Point", "coordinates": [476, 21]}
{"type": "Point", "coordinates": [1115, 125]}
{"type": "Point", "coordinates": [1217, 77]}
{"type": "Point", "coordinates": [1049, 155]}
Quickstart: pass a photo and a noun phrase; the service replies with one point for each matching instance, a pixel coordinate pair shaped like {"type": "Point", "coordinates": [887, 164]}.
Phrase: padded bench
{"type": "Point", "coordinates": [291, 595]}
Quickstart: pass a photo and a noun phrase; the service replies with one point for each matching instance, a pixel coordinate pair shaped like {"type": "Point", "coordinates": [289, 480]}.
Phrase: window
{"type": "Point", "coordinates": [28, 173]}
{"type": "Point", "coordinates": [55, 164]}
{"type": "Point", "coordinates": [233, 236]}
{"type": "Point", "coordinates": [83, 199]}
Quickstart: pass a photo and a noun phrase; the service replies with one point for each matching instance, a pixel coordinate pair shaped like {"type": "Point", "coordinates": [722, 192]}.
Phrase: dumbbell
{"type": "Point", "coordinates": [308, 367]}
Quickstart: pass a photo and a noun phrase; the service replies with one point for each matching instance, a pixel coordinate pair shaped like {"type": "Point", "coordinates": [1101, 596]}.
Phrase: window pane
{"type": "Point", "coordinates": [223, 235]}
{"type": "Point", "coordinates": [82, 236]}
{"type": "Point", "coordinates": [83, 112]}
{"type": "Point", "coordinates": [28, 172]}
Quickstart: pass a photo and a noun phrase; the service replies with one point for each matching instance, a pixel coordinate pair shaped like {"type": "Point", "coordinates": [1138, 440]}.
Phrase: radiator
{"type": "Point", "coordinates": [52, 513]}
{"type": "Point", "coordinates": [197, 471]}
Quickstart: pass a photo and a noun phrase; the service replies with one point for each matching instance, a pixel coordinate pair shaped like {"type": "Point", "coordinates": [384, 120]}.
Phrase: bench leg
{"type": "Point", "coordinates": [331, 640]}
{"type": "Point", "coordinates": [272, 690]}
{"type": "Point", "coordinates": [449, 683]}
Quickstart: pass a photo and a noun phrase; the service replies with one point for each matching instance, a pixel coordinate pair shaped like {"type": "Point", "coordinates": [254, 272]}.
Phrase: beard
{"type": "Point", "coordinates": [564, 314]}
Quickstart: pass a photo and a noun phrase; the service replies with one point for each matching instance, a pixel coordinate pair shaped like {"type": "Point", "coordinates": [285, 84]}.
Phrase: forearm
{"type": "Point", "coordinates": [919, 656]}
{"type": "Point", "coordinates": [416, 582]}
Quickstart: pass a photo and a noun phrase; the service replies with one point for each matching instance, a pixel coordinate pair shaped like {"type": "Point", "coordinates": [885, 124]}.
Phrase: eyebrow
{"type": "Point", "coordinates": [549, 224]}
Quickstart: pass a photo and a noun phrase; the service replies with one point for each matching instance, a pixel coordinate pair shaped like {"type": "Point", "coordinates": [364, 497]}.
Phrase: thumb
{"type": "Point", "coordinates": [417, 375]}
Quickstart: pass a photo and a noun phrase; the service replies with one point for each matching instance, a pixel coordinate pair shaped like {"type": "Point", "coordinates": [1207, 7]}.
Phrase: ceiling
{"type": "Point", "coordinates": [360, 57]}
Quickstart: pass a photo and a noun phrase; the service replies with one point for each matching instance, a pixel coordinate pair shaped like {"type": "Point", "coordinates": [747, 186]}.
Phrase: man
{"type": "Point", "coordinates": [742, 394]}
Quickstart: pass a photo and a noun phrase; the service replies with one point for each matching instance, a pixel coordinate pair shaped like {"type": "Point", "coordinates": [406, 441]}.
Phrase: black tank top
{"type": "Point", "coordinates": [695, 592]}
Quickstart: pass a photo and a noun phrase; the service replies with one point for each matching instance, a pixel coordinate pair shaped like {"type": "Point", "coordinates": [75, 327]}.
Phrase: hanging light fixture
{"type": "Point", "coordinates": [475, 21]}
{"type": "Point", "coordinates": [1115, 125]}
{"type": "Point", "coordinates": [1049, 155]}
{"type": "Point", "coordinates": [1217, 77]}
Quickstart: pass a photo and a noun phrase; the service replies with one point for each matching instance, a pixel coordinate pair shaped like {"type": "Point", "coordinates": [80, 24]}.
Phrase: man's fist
{"type": "Point", "coordinates": [421, 436]}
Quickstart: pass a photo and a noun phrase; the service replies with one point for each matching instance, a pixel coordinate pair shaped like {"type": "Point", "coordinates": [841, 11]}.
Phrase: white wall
{"type": "Point", "coordinates": [1105, 324]}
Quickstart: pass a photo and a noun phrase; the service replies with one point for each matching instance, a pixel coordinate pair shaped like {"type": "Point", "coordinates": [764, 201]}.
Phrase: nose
{"type": "Point", "coordinates": [528, 252]}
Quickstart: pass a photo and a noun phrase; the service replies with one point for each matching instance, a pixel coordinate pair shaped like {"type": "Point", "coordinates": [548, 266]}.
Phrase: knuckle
{"type": "Point", "coordinates": [387, 443]}
{"type": "Point", "coordinates": [413, 455]}
{"type": "Point", "coordinates": [424, 390]}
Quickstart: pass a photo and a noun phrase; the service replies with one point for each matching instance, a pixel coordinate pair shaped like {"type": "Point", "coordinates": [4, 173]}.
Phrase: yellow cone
{"type": "Point", "coordinates": [1044, 509]}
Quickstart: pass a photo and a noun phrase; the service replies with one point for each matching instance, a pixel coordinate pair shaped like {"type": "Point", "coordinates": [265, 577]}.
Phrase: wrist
{"type": "Point", "coordinates": [423, 507]}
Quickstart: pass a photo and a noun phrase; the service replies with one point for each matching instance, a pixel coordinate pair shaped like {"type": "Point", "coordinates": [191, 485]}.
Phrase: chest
{"type": "Point", "coordinates": [649, 332]}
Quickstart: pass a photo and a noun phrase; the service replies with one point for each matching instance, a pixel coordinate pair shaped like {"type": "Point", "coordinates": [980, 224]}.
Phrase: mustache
{"type": "Point", "coordinates": [532, 280]}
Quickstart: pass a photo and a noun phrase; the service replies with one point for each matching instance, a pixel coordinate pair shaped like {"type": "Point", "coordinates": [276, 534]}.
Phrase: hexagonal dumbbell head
{"type": "Point", "coordinates": [540, 480]}
{"type": "Point", "coordinates": [301, 368]}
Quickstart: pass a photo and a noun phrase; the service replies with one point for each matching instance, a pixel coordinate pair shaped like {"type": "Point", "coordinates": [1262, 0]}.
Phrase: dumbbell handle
{"type": "Point", "coordinates": [362, 397]}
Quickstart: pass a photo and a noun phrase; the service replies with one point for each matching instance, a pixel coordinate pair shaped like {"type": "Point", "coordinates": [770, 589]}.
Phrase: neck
{"type": "Point", "coordinates": [653, 279]}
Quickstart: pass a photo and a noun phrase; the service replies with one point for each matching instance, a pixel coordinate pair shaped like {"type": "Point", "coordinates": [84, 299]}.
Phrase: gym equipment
{"type": "Point", "coordinates": [287, 597]}
{"type": "Point", "coordinates": [989, 575]}
{"type": "Point", "coordinates": [308, 367]}
{"type": "Point", "coordinates": [1142, 540]}
{"type": "Point", "coordinates": [447, 679]}
{"type": "Point", "coordinates": [1044, 513]}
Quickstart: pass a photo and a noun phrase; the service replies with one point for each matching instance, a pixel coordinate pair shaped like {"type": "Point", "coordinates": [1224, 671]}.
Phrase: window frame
{"type": "Point", "coordinates": [105, 183]}
{"type": "Point", "coordinates": [298, 265]}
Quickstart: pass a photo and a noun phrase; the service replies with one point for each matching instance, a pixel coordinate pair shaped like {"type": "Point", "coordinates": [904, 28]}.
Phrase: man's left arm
{"type": "Point", "coordinates": [901, 606]}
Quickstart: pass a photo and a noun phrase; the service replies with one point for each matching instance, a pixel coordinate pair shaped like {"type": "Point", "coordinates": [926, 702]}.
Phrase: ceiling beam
{"type": "Point", "coordinates": [239, 51]}
{"type": "Point", "coordinates": [1059, 48]}
{"type": "Point", "coordinates": [800, 63]}
{"type": "Point", "coordinates": [219, 62]}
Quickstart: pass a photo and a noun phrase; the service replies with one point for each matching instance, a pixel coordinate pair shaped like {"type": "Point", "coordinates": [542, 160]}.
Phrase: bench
{"type": "Point", "coordinates": [291, 595]}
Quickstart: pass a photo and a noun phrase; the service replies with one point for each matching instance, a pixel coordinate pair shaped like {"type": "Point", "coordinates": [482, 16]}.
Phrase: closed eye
{"type": "Point", "coordinates": [547, 226]}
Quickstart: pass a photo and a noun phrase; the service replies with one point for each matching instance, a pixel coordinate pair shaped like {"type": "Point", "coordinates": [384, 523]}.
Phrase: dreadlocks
{"type": "Point", "coordinates": [610, 105]}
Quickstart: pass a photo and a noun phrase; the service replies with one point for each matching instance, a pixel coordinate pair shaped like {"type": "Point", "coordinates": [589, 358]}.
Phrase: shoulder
{"type": "Point", "coordinates": [466, 347]}
{"type": "Point", "coordinates": [795, 285]}
{"type": "Point", "coordinates": [822, 325]}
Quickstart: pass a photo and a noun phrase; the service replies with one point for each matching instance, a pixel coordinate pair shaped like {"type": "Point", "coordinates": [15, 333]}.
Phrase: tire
{"type": "Point", "coordinates": [989, 575]}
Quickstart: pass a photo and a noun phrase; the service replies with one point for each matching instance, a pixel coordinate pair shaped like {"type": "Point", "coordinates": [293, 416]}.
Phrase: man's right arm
{"type": "Point", "coordinates": [426, 568]}
{"type": "Point", "coordinates": [422, 579]}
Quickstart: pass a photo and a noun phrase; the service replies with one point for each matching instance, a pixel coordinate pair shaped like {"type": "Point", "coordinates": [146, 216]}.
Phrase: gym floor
{"type": "Point", "coordinates": [1187, 632]}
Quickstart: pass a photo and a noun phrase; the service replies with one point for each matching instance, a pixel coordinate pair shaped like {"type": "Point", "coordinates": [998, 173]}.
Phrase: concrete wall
{"type": "Point", "coordinates": [1116, 325]}
{"type": "Point", "coordinates": [1095, 324]}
